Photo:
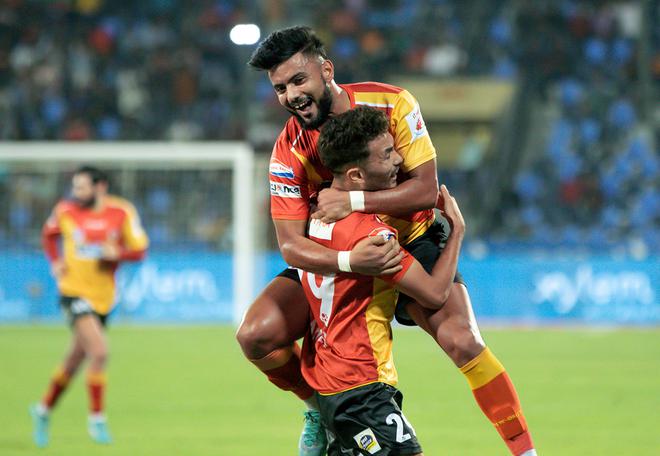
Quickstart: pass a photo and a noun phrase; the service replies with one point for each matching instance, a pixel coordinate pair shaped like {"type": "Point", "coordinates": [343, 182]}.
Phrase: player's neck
{"type": "Point", "coordinates": [340, 99]}
{"type": "Point", "coordinates": [99, 204]}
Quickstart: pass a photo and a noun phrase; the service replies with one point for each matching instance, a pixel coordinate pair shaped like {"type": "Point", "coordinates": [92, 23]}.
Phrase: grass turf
{"type": "Point", "coordinates": [188, 391]}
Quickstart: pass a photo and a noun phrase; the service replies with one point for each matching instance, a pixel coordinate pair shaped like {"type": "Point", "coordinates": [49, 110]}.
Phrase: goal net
{"type": "Point", "coordinates": [196, 201]}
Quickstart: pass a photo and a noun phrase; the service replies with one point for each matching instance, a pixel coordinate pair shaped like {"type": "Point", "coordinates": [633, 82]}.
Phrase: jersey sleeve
{"type": "Point", "coordinates": [411, 138]}
{"type": "Point", "coordinates": [50, 233]}
{"type": "Point", "coordinates": [406, 262]}
{"type": "Point", "coordinates": [375, 227]}
{"type": "Point", "coordinates": [289, 189]}
{"type": "Point", "coordinates": [52, 225]}
{"type": "Point", "coordinates": [133, 235]}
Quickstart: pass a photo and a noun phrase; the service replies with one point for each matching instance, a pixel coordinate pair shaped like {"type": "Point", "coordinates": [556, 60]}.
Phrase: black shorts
{"type": "Point", "coordinates": [426, 249]}
{"type": "Point", "coordinates": [367, 420]}
{"type": "Point", "coordinates": [290, 273]}
{"type": "Point", "coordinates": [75, 307]}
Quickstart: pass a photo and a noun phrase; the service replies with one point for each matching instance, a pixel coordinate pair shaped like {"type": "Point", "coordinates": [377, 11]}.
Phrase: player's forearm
{"type": "Point", "coordinates": [49, 243]}
{"type": "Point", "coordinates": [310, 256]}
{"type": "Point", "coordinates": [132, 255]}
{"type": "Point", "coordinates": [444, 270]}
{"type": "Point", "coordinates": [409, 196]}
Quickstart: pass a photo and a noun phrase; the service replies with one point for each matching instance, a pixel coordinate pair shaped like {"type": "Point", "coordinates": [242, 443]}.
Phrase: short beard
{"type": "Point", "coordinates": [86, 204]}
{"type": "Point", "coordinates": [325, 104]}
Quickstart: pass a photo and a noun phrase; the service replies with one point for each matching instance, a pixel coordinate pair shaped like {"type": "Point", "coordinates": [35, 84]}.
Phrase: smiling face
{"type": "Point", "coordinates": [379, 171]}
{"type": "Point", "coordinates": [302, 87]}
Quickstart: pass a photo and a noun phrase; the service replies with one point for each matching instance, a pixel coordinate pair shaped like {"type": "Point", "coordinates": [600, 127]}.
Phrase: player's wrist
{"type": "Point", "coordinates": [357, 200]}
{"type": "Point", "coordinates": [344, 261]}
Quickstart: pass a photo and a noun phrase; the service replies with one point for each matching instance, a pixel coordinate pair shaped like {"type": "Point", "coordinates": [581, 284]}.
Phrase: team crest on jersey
{"type": "Point", "coordinates": [284, 191]}
{"type": "Point", "coordinates": [366, 440]}
{"type": "Point", "coordinates": [321, 230]}
{"type": "Point", "coordinates": [384, 232]}
{"type": "Point", "coordinates": [279, 169]}
{"type": "Point", "coordinates": [416, 124]}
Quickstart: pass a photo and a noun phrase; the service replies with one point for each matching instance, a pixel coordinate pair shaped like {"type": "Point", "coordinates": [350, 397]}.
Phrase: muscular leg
{"type": "Point", "coordinates": [64, 373]}
{"type": "Point", "coordinates": [454, 328]}
{"type": "Point", "coordinates": [89, 332]}
{"type": "Point", "coordinates": [269, 330]}
{"type": "Point", "coordinates": [74, 357]}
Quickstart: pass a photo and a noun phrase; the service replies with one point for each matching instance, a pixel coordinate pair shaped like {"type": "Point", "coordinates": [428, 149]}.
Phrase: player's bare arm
{"type": "Point", "coordinates": [58, 268]}
{"type": "Point", "coordinates": [372, 256]}
{"type": "Point", "coordinates": [432, 291]}
{"type": "Point", "coordinates": [418, 192]}
{"type": "Point", "coordinates": [112, 251]}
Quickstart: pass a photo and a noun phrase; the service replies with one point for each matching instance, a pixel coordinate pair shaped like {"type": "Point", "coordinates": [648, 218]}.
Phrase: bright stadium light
{"type": "Point", "coordinates": [245, 34]}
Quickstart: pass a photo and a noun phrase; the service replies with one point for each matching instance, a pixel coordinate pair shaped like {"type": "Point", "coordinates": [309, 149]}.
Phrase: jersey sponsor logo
{"type": "Point", "coordinates": [279, 169]}
{"type": "Point", "coordinates": [89, 251]}
{"type": "Point", "coordinates": [284, 190]}
{"type": "Point", "coordinates": [384, 232]}
{"type": "Point", "coordinates": [95, 224]}
{"type": "Point", "coordinates": [85, 250]}
{"type": "Point", "coordinates": [321, 230]}
{"type": "Point", "coordinates": [366, 440]}
{"type": "Point", "coordinates": [416, 124]}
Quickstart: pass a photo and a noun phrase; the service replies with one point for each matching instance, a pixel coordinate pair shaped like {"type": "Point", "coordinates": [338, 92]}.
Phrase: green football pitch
{"type": "Point", "coordinates": [187, 391]}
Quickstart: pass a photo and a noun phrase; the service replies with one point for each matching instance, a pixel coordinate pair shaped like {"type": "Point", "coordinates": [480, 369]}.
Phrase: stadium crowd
{"type": "Point", "coordinates": [167, 70]}
{"type": "Point", "coordinates": [595, 181]}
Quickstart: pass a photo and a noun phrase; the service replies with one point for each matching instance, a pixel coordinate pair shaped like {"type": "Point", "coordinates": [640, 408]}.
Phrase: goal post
{"type": "Point", "coordinates": [172, 157]}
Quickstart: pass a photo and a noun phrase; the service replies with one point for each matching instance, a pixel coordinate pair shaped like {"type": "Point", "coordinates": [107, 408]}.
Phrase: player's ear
{"type": "Point", "coordinates": [355, 175]}
{"type": "Point", "coordinates": [102, 187]}
{"type": "Point", "coordinates": [327, 70]}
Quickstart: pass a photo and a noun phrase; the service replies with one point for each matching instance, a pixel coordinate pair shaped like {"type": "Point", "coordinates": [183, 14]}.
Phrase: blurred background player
{"type": "Point", "coordinates": [347, 354]}
{"type": "Point", "coordinates": [303, 79]}
{"type": "Point", "coordinates": [98, 231]}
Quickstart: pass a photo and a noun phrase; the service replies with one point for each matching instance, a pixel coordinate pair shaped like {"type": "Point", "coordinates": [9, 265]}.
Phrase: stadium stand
{"type": "Point", "coordinates": [583, 174]}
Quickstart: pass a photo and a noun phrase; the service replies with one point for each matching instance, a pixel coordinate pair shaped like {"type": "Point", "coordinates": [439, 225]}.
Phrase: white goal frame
{"type": "Point", "coordinates": [235, 155]}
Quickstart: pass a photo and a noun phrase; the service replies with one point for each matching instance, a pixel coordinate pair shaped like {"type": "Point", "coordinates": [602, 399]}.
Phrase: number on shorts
{"type": "Point", "coordinates": [393, 418]}
{"type": "Point", "coordinates": [79, 306]}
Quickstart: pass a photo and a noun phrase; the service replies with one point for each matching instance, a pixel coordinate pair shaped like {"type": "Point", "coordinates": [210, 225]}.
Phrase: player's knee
{"type": "Point", "coordinates": [255, 338]}
{"type": "Point", "coordinates": [466, 345]}
{"type": "Point", "coordinates": [99, 356]}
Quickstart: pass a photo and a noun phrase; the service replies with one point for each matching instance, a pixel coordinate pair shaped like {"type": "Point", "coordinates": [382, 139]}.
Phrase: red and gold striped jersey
{"type": "Point", "coordinates": [349, 343]}
{"type": "Point", "coordinates": [296, 171]}
{"type": "Point", "coordinates": [83, 232]}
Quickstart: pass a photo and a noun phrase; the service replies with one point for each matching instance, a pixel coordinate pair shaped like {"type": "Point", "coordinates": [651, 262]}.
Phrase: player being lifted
{"type": "Point", "coordinates": [97, 232]}
{"type": "Point", "coordinates": [303, 79]}
{"type": "Point", "coordinates": [347, 354]}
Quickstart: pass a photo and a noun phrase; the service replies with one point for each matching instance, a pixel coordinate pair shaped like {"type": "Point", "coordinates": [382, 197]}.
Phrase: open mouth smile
{"type": "Point", "coordinates": [302, 105]}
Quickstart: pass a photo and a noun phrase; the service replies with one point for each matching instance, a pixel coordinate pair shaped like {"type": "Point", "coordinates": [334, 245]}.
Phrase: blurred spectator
{"type": "Point", "coordinates": [600, 173]}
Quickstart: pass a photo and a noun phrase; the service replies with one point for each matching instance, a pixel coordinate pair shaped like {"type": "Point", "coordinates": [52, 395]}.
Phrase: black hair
{"type": "Point", "coordinates": [344, 139]}
{"type": "Point", "coordinates": [282, 44]}
{"type": "Point", "coordinates": [94, 173]}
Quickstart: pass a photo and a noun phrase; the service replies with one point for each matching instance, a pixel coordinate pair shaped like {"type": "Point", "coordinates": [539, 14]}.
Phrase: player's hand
{"type": "Point", "coordinates": [110, 251]}
{"type": "Point", "coordinates": [451, 211]}
{"type": "Point", "coordinates": [440, 201]}
{"type": "Point", "coordinates": [58, 268]}
{"type": "Point", "coordinates": [376, 256]}
{"type": "Point", "coordinates": [332, 205]}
